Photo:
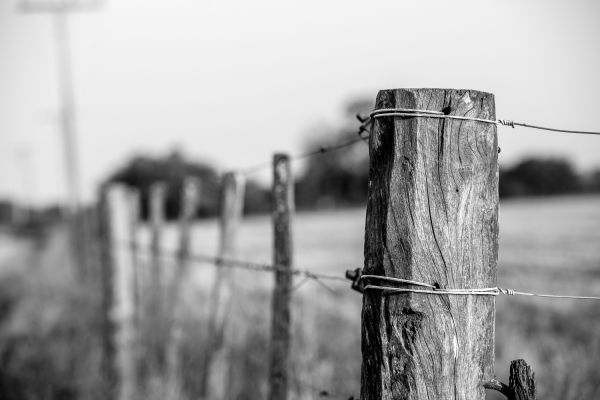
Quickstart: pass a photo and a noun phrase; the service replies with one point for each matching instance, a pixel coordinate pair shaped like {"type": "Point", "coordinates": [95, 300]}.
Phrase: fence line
{"type": "Point", "coordinates": [124, 285]}
{"type": "Point", "coordinates": [366, 123]}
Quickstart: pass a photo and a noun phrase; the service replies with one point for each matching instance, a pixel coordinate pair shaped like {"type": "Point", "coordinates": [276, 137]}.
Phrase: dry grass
{"type": "Point", "coordinates": [547, 245]}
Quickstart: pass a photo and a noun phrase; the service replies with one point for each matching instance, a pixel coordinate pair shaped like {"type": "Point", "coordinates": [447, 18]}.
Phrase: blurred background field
{"type": "Point", "coordinates": [49, 343]}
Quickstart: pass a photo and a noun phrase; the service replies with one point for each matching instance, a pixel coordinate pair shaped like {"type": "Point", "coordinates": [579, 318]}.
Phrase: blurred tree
{"type": "Point", "coordinates": [142, 171]}
{"type": "Point", "coordinates": [591, 181]}
{"type": "Point", "coordinates": [341, 177]}
{"type": "Point", "coordinates": [537, 177]}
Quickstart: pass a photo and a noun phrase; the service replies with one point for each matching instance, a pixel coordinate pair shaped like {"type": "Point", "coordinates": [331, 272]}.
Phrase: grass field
{"type": "Point", "coordinates": [547, 245]}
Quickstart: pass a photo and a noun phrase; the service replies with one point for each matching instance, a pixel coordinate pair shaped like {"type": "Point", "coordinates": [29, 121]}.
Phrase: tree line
{"type": "Point", "coordinates": [337, 179]}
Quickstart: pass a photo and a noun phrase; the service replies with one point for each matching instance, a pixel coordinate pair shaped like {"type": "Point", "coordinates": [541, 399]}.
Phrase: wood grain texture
{"type": "Point", "coordinates": [432, 217]}
{"type": "Point", "coordinates": [283, 206]}
{"type": "Point", "coordinates": [521, 382]}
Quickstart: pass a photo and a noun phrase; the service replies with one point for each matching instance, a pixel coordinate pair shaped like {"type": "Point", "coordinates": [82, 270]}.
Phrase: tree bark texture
{"type": "Point", "coordinates": [522, 381]}
{"type": "Point", "coordinates": [283, 206]}
{"type": "Point", "coordinates": [432, 217]}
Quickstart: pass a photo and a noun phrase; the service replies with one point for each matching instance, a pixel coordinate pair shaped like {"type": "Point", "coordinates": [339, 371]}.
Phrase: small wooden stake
{"type": "Point", "coordinates": [521, 381]}
{"type": "Point", "coordinates": [432, 217]}
{"type": "Point", "coordinates": [283, 206]}
{"type": "Point", "coordinates": [119, 292]}
{"type": "Point", "coordinates": [522, 384]}
{"type": "Point", "coordinates": [213, 382]}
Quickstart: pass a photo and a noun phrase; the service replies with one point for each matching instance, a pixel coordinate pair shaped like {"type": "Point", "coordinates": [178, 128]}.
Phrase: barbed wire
{"type": "Point", "coordinates": [367, 121]}
{"type": "Point", "coordinates": [321, 150]}
{"type": "Point", "coordinates": [319, 391]}
{"type": "Point", "coordinates": [410, 113]}
{"type": "Point", "coordinates": [233, 263]}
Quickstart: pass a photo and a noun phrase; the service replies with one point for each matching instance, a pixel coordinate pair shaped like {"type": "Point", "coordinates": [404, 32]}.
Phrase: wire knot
{"type": "Point", "coordinates": [509, 292]}
{"type": "Point", "coordinates": [507, 122]}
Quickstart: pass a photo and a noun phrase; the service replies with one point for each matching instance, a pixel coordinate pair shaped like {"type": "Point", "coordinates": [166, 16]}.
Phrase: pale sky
{"type": "Point", "coordinates": [231, 82]}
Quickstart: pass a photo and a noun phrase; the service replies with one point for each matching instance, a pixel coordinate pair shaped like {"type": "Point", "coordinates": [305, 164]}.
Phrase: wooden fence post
{"type": "Point", "coordinates": [119, 297]}
{"type": "Point", "coordinates": [432, 217]}
{"type": "Point", "coordinates": [190, 196]}
{"type": "Point", "coordinates": [155, 308]}
{"type": "Point", "coordinates": [232, 204]}
{"type": "Point", "coordinates": [283, 207]}
{"type": "Point", "coordinates": [133, 203]}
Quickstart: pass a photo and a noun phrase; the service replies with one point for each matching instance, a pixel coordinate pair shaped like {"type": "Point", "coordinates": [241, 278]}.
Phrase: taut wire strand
{"type": "Point", "coordinates": [407, 113]}
{"type": "Point", "coordinates": [321, 150]}
{"type": "Point", "coordinates": [225, 262]}
{"type": "Point", "coordinates": [494, 291]}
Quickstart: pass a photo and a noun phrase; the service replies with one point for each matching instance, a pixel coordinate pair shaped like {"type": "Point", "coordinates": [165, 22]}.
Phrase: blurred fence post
{"type": "Point", "coordinates": [283, 207]}
{"type": "Point", "coordinates": [432, 217]}
{"type": "Point", "coordinates": [213, 383]}
{"type": "Point", "coordinates": [190, 196]}
{"type": "Point", "coordinates": [118, 279]}
{"type": "Point", "coordinates": [134, 207]}
{"type": "Point", "coordinates": [154, 311]}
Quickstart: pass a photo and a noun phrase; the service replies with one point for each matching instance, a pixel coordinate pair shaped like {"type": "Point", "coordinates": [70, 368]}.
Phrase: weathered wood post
{"type": "Point", "coordinates": [119, 297]}
{"type": "Point", "coordinates": [190, 196]}
{"type": "Point", "coordinates": [432, 217]}
{"type": "Point", "coordinates": [521, 384]}
{"type": "Point", "coordinates": [133, 204]}
{"type": "Point", "coordinates": [213, 382]}
{"type": "Point", "coordinates": [155, 307]}
{"type": "Point", "coordinates": [283, 207]}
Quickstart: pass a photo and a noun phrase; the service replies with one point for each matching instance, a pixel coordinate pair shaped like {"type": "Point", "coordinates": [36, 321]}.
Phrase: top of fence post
{"type": "Point", "coordinates": [432, 217]}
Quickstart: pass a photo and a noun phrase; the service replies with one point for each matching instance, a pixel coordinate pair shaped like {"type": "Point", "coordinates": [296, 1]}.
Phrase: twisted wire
{"type": "Point", "coordinates": [403, 112]}
{"type": "Point", "coordinates": [493, 291]}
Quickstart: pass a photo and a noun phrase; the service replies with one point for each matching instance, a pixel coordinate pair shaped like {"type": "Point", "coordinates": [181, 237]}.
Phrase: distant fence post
{"type": "Point", "coordinates": [232, 205]}
{"type": "Point", "coordinates": [155, 308]}
{"type": "Point", "coordinates": [133, 203]}
{"type": "Point", "coordinates": [283, 206]}
{"type": "Point", "coordinates": [432, 217]}
{"type": "Point", "coordinates": [190, 196]}
{"type": "Point", "coordinates": [119, 295]}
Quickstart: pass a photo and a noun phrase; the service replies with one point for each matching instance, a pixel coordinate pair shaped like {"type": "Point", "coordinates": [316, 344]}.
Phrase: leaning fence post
{"type": "Point", "coordinates": [232, 204]}
{"type": "Point", "coordinates": [119, 298]}
{"type": "Point", "coordinates": [432, 217]}
{"type": "Point", "coordinates": [283, 207]}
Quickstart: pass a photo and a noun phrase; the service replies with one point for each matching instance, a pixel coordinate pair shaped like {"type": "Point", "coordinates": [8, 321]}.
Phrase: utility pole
{"type": "Point", "coordinates": [61, 9]}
